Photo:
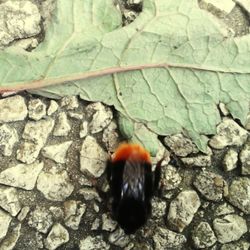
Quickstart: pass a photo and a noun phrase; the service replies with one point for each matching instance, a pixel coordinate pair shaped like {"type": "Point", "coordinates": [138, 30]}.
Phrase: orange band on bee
{"type": "Point", "coordinates": [126, 151]}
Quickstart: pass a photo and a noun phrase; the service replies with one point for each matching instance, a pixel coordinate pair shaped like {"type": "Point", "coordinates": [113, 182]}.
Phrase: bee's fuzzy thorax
{"type": "Point", "coordinates": [126, 151]}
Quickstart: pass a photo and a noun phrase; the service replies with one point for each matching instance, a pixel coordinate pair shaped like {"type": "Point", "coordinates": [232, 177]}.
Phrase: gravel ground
{"type": "Point", "coordinates": [53, 153]}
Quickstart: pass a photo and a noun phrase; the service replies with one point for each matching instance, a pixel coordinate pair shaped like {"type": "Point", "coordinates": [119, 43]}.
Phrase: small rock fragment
{"type": "Point", "coordinates": [180, 145]}
{"type": "Point", "coordinates": [38, 131]}
{"type": "Point", "coordinates": [8, 138]}
{"type": "Point", "coordinates": [5, 220]}
{"type": "Point", "coordinates": [54, 184]}
{"type": "Point", "coordinates": [119, 238]}
{"type": "Point", "coordinates": [89, 194]}
{"type": "Point", "coordinates": [245, 159]}
{"type": "Point", "coordinates": [23, 214]}
{"type": "Point", "coordinates": [57, 237]}
{"type": "Point", "coordinates": [92, 157]}
{"type": "Point", "coordinates": [57, 152]}
{"type": "Point", "coordinates": [171, 179]}
{"type": "Point", "coordinates": [40, 219]}
{"type": "Point", "coordinates": [223, 109]}
{"type": "Point", "coordinates": [18, 20]}
{"type": "Point", "coordinates": [62, 127]}
{"type": "Point", "coordinates": [9, 200]}
{"type": "Point", "coordinates": [75, 115]}
{"type": "Point", "coordinates": [95, 224]}
{"type": "Point", "coordinates": [229, 133]}
{"type": "Point", "coordinates": [84, 129]}
{"type": "Point", "coordinates": [12, 108]}
{"type": "Point", "coordinates": [93, 243]}
{"type": "Point", "coordinates": [108, 224]}
{"type": "Point", "coordinates": [52, 107]}
{"type": "Point", "coordinates": [28, 152]}
{"type": "Point", "coordinates": [239, 193]}
{"type": "Point", "coordinates": [240, 245]}
{"type": "Point", "coordinates": [222, 5]}
{"type": "Point", "coordinates": [182, 209]}
{"type": "Point", "coordinates": [11, 239]}
{"type": "Point", "coordinates": [22, 175]}
{"type": "Point", "coordinates": [110, 137]}
{"type": "Point", "coordinates": [211, 185]}
{"type": "Point", "coordinates": [158, 208]}
{"type": "Point", "coordinates": [166, 239]}
{"type": "Point", "coordinates": [74, 211]}
{"type": "Point", "coordinates": [70, 102]}
{"type": "Point", "coordinates": [203, 236]}
{"type": "Point", "coordinates": [230, 160]}
{"type": "Point", "coordinates": [37, 109]}
{"type": "Point", "coordinates": [229, 228]}
{"type": "Point", "coordinates": [224, 209]}
{"type": "Point", "coordinates": [57, 212]}
{"type": "Point", "coordinates": [102, 116]}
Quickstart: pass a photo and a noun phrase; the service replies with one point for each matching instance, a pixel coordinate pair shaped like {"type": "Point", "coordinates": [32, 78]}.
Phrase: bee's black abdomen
{"type": "Point", "coordinates": [132, 185]}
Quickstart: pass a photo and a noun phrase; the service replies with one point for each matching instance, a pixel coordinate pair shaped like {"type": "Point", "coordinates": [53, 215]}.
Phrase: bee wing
{"type": "Point", "coordinates": [133, 180]}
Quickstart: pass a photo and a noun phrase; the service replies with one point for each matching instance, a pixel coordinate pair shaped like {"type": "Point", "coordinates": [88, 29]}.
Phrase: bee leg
{"type": "Point", "coordinates": [157, 175]}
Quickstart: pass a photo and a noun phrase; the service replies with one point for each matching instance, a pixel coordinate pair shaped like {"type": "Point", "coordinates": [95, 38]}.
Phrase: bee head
{"type": "Point", "coordinates": [131, 214]}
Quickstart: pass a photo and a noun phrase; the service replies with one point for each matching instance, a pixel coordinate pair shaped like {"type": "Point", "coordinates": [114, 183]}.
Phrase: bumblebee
{"type": "Point", "coordinates": [132, 183]}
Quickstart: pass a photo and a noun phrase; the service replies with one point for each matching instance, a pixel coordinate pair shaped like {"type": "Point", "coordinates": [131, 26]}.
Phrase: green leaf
{"type": "Point", "coordinates": [165, 73]}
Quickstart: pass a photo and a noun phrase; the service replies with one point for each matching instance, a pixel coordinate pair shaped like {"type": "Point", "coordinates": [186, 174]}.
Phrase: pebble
{"type": "Point", "coordinates": [108, 224]}
{"type": "Point", "coordinates": [57, 152]}
{"type": "Point", "coordinates": [9, 200]}
{"type": "Point", "coordinates": [37, 109]}
{"type": "Point", "coordinates": [70, 102]}
{"type": "Point", "coordinates": [83, 129]}
{"type": "Point", "coordinates": [240, 245]}
{"type": "Point", "coordinates": [110, 137]}
{"type": "Point", "coordinates": [229, 133]}
{"type": "Point", "coordinates": [230, 160]}
{"type": "Point", "coordinates": [182, 210]}
{"type": "Point", "coordinates": [73, 211]}
{"type": "Point", "coordinates": [57, 237]}
{"type": "Point", "coordinates": [158, 208]}
{"type": "Point", "coordinates": [223, 109]}
{"type": "Point", "coordinates": [12, 108]}
{"type": "Point", "coordinates": [239, 193]}
{"type": "Point", "coordinates": [92, 157]}
{"type": "Point", "coordinates": [229, 228]}
{"type": "Point", "coordinates": [57, 212]}
{"type": "Point", "coordinates": [22, 175]}
{"type": "Point", "coordinates": [8, 138]}
{"type": "Point", "coordinates": [11, 239]}
{"type": "Point", "coordinates": [5, 220]}
{"type": "Point", "coordinates": [224, 209]}
{"type": "Point", "coordinates": [89, 194]}
{"type": "Point", "coordinates": [96, 224]}
{"type": "Point", "coordinates": [62, 127]}
{"type": "Point", "coordinates": [23, 214]}
{"type": "Point", "coordinates": [18, 20]}
{"type": "Point", "coordinates": [245, 159]}
{"type": "Point", "coordinates": [54, 184]}
{"type": "Point", "coordinates": [166, 239]}
{"type": "Point", "coordinates": [119, 238]}
{"type": "Point", "coordinates": [223, 5]}
{"type": "Point", "coordinates": [53, 107]}
{"type": "Point", "coordinates": [171, 179]}
{"type": "Point", "coordinates": [180, 145]}
{"type": "Point", "coordinates": [40, 219]}
{"type": "Point", "coordinates": [38, 131]}
{"type": "Point", "coordinates": [75, 115]}
{"type": "Point", "coordinates": [28, 152]}
{"type": "Point", "coordinates": [201, 160]}
{"type": "Point", "coordinates": [203, 236]}
{"type": "Point", "coordinates": [211, 185]}
{"type": "Point", "coordinates": [101, 117]}
{"type": "Point", "coordinates": [93, 243]}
